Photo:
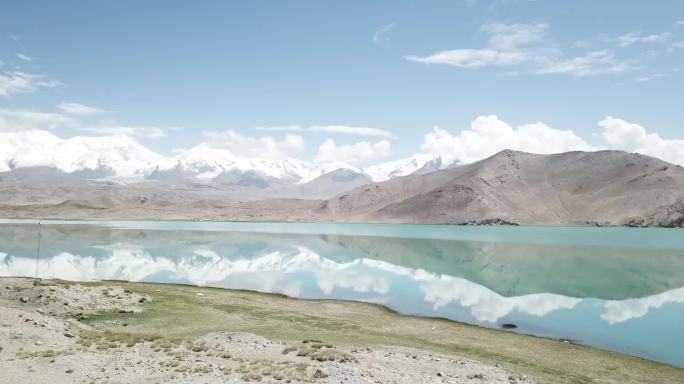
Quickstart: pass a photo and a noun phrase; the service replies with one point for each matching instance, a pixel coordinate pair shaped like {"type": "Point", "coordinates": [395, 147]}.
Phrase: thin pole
{"type": "Point", "coordinates": [38, 249]}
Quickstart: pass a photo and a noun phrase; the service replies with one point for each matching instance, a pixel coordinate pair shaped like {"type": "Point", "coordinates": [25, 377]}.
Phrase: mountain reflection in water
{"type": "Point", "coordinates": [597, 294]}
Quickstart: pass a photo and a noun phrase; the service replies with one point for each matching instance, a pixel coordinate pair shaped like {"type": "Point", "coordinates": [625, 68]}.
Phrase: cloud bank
{"type": "Point", "coordinates": [620, 134]}
{"type": "Point", "coordinates": [329, 151]}
{"type": "Point", "coordinates": [263, 147]}
{"type": "Point", "coordinates": [489, 134]}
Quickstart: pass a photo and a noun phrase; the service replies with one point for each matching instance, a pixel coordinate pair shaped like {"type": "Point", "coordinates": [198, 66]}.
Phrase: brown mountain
{"type": "Point", "coordinates": [574, 188]}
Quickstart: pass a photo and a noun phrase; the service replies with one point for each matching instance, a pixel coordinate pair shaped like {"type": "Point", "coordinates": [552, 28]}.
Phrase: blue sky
{"type": "Point", "coordinates": [193, 71]}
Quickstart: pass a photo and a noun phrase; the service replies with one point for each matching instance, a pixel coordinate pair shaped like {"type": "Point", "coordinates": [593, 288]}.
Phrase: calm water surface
{"type": "Point", "coordinates": [615, 288]}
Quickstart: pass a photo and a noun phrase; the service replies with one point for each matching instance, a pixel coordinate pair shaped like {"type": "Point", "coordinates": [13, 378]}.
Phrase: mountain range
{"type": "Point", "coordinates": [117, 178]}
{"type": "Point", "coordinates": [120, 159]}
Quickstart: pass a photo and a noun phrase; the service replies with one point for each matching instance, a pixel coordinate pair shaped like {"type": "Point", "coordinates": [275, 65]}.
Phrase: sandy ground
{"type": "Point", "coordinates": [45, 340]}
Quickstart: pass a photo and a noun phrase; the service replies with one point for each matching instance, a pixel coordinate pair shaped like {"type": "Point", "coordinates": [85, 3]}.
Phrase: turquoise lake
{"type": "Point", "coordinates": [615, 288]}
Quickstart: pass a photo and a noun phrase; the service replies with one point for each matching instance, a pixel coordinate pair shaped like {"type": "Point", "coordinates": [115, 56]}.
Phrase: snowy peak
{"type": "Point", "coordinates": [206, 162]}
{"type": "Point", "coordinates": [416, 164]}
{"type": "Point", "coordinates": [118, 155]}
{"type": "Point", "coordinates": [203, 162]}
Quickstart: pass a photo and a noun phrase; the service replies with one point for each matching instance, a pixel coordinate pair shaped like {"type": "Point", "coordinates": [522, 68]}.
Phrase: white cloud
{"type": "Point", "coordinates": [329, 151]}
{"type": "Point", "coordinates": [488, 135]}
{"type": "Point", "coordinates": [263, 147]}
{"type": "Point", "coordinates": [380, 36]}
{"type": "Point", "coordinates": [505, 46]}
{"type": "Point", "coordinates": [486, 305]}
{"type": "Point", "coordinates": [472, 58]}
{"type": "Point", "coordinates": [512, 36]}
{"type": "Point", "coordinates": [26, 120]}
{"type": "Point", "coordinates": [21, 82]}
{"type": "Point", "coordinates": [625, 136]}
{"type": "Point", "coordinates": [25, 58]}
{"type": "Point", "coordinates": [590, 64]}
{"type": "Point", "coordinates": [528, 46]}
{"type": "Point", "coordinates": [650, 77]}
{"type": "Point", "coordinates": [79, 109]}
{"type": "Point", "coordinates": [363, 131]}
{"type": "Point", "coordinates": [679, 22]}
{"type": "Point", "coordinates": [137, 132]}
{"type": "Point", "coordinates": [635, 37]}
{"type": "Point", "coordinates": [624, 310]}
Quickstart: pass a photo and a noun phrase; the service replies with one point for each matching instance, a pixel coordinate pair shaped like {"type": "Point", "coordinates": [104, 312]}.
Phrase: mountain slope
{"type": "Point", "coordinates": [574, 188]}
{"type": "Point", "coordinates": [328, 184]}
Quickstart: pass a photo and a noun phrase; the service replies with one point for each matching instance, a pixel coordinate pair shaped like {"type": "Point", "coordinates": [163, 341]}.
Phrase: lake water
{"type": "Point", "coordinates": [615, 288]}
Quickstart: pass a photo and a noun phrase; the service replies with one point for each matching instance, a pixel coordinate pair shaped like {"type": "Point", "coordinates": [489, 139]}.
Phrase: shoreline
{"type": "Point", "coordinates": [185, 314]}
{"type": "Point", "coordinates": [321, 220]}
{"type": "Point", "coordinates": [32, 220]}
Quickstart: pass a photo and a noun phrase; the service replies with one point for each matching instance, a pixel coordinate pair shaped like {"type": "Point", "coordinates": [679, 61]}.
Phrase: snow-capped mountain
{"type": "Point", "coordinates": [124, 158]}
{"type": "Point", "coordinates": [416, 164]}
{"type": "Point", "coordinates": [117, 155]}
{"type": "Point", "coordinates": [205, 162]}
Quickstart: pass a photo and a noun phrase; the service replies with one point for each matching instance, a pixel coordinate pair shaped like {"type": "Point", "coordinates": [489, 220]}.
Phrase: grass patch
{"type": "Point", "coordinates": [178, 313]}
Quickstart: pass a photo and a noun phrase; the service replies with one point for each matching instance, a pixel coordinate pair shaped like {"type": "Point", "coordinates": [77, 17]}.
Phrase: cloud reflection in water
{"type": "Point", "coordinates": [282, 271]}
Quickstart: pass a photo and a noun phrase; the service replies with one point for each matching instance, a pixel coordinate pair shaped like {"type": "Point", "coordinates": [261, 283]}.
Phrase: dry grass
{"type": "Point", "coordinates": [320, 351]}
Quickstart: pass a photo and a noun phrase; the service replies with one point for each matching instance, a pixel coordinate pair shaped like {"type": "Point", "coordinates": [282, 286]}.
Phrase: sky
{"type": "Point", "coordinates": [356, 81]}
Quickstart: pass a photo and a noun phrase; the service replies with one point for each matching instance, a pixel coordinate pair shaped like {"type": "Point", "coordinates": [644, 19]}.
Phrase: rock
{"type": "Point", "coordinates": [24, 299]}
{"type": "Point", "coordinates": [491, 222]}
{"type": "Point", "coordinates": [440, 374]}
{"type": "Point", "coordinates": [508, 326]}
{"type": "Point", "coordinates": [67, 334]}
{"type": "Point", "coordinates": [69, 370]}
{"type": "Point", "coordinates": [318, 374]}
